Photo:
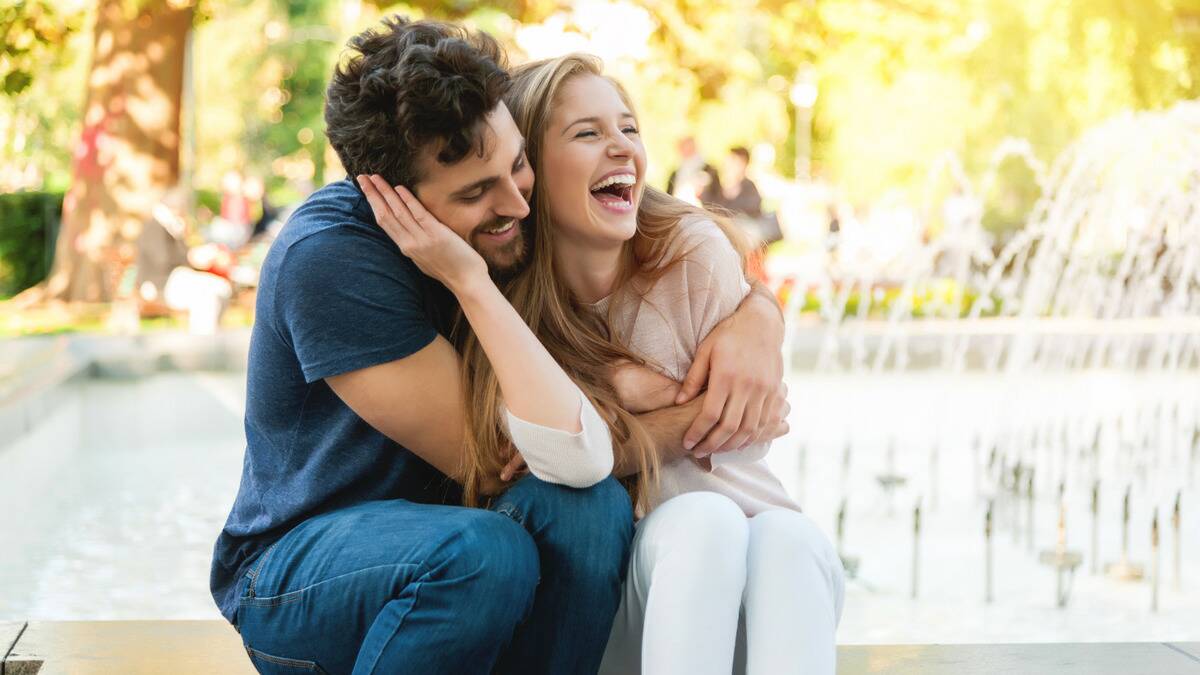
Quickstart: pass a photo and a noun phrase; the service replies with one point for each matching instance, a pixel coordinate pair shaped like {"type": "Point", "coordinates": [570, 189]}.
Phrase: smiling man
{"type": "Point", "coordinates": [346, 550]}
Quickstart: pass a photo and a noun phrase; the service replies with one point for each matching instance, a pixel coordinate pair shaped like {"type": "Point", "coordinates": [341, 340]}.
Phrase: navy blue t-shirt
{"type": "Point", "coordinates": [335, 295]}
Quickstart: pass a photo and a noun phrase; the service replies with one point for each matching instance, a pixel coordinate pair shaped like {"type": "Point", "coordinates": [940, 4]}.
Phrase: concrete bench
{"type": "Point", "coordinates": [193, 647]}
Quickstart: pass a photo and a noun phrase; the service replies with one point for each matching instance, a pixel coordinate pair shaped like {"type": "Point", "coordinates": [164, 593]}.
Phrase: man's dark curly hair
{"type": "Point", "coordinates": [409, 84]}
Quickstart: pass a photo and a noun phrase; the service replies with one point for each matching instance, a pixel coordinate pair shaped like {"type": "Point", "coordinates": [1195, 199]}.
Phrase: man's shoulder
{"type": "Point", "coordinates": [334, 226]}
{"type": "Point", "coordinates": [334, 210]}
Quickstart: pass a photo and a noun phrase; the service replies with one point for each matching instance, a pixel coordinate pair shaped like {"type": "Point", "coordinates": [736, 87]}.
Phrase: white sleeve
{"type": "Point", "coordinates": [576, 460]}
{"type": "Point", "coordinates": [746, 455]}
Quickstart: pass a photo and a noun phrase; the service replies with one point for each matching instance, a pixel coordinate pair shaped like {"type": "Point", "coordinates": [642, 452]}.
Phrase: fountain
{"type": "Point", "coordinates": [916, 547]}
{"type": "Point", "coordinates": [1061, 352]}
{"type": "Point", "coordinates": [987, 554]}
{"type": "Point", "coordinates": [1123, 569]}
{"type": "Point", "coordinates": [1095, 557]}
{"type": "Point", "coordinates": [849, 562]}
{"type": "Point", "coordinates": [1154, 562]}
{"type": "Point", "coordinates": [1177, 527]}
{"type": "Point", "coordinates": [1063, 561]}
{"type": "Point", "coordinates": [889, 480]}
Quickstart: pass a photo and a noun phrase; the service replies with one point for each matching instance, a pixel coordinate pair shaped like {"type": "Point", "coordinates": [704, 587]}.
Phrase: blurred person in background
{"type": "Point", "coordinates": [735, 192]}
{"type": "Point", "coordinates": [694, 177]}
{"type": "Point", "coordinates": [232, 226]}
{"type": "Point", "coordinates": [173, 277]}
{"type": "Point", "coordinates": [256, 194]}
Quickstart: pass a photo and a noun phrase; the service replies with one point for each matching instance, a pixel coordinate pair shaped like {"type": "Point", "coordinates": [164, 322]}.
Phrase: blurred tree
{"type": "Point", "coordinates": [128, 149]}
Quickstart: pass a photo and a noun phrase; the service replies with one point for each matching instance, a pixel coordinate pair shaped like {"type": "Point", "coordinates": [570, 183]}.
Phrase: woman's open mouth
{"type": "Point", "coordinates": [615, 193]}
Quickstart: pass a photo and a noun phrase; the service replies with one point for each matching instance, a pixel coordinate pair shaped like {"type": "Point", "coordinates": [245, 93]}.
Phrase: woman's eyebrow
{"type": "Point", "coordinates": [594, 120]}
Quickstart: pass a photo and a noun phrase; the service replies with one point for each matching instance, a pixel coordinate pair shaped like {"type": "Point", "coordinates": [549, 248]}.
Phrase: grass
{"type": "Point", "coordinates": [96, 319]}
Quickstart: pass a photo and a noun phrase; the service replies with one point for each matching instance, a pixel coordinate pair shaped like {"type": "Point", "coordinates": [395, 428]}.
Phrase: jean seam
{"type": "Point", "coordinates": [293, 596]}
{"type": "Point", "coordinates": [281, 661]}
{"type": "Point", "coordinates": [256, 569]}
{"type": "Point", "coordinates": [417, 586]}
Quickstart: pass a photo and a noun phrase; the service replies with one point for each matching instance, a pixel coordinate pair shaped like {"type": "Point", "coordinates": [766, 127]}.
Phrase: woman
{"type": "Point", "coordinates": [621, 273]}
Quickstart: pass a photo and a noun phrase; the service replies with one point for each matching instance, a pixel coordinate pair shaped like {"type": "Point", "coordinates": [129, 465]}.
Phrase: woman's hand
{"type": "Point", "coordinates": [642, 389]}
{"type": "Point", "coordinates": [435, 248]}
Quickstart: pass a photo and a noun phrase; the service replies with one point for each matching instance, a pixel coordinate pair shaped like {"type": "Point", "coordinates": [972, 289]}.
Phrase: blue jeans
{"type": "Point", "coordinates": [400, 587]}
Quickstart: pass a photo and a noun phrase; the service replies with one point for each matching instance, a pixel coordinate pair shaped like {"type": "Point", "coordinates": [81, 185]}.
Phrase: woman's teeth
{"type": "Point", "coordinates": [619, 179]}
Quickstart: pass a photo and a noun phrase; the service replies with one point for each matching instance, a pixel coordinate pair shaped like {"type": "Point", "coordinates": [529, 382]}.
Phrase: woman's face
{"type": "Point", "coordinates": [593, 164]}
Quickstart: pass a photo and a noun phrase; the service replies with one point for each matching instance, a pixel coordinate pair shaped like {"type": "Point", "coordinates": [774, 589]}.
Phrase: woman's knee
{"type": "Point", "coordinates": [794, 537]}
{"type": "Point", "coordinates": [705, 529]}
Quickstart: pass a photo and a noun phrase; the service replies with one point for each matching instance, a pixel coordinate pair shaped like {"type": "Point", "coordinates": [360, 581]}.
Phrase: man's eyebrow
{"type": "Point", "coordinates": [484, 184]}
{"type": "Point", "coordinates": [481, 184]}
{"type": "Point", "coordinates": [520, 153]}
{"type": "Point", "coordinates": [594, 120]}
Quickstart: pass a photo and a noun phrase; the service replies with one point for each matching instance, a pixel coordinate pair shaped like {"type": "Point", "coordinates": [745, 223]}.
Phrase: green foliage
{"type": "Point", "coordinates": [28, 225]}
{"type": "Point", "coordinates": [902, 83]}
{"type": "Point", "coordinates": [30, 32]}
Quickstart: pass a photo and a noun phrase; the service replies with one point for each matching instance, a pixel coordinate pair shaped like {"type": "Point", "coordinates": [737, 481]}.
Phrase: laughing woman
{"type": "Point", "coordinates": [720, 537]}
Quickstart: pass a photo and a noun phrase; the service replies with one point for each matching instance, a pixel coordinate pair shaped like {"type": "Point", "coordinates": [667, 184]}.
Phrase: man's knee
{"type": "Point", "coordinates": [497, 563]}
{"type": "Point", "coordinates": [598, 519]}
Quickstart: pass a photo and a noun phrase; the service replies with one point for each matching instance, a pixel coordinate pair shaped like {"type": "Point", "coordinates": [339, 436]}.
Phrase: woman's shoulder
{"type": "Point", "coordinates": [700, 241]}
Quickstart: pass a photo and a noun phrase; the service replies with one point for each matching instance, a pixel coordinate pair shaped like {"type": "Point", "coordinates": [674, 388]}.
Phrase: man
{"type": "Point", "coordinates": [344, 549]}
{"type": "Point", "coordinates": [736, 193]}
{"type": "Point", "coordinates": [694, 177]}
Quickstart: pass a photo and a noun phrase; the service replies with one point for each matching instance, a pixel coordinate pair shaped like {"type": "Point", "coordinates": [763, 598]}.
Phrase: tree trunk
{"type": "Point", "coordinates": [128, 151]}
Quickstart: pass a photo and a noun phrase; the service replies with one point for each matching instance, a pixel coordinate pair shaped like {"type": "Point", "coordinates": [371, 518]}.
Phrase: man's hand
{"type": "Point", "coordinates": [642, 389]}
{"type": "Point", "coordinates": [741, 361]}
{"type": "Point", "coordinates": [515, 466]}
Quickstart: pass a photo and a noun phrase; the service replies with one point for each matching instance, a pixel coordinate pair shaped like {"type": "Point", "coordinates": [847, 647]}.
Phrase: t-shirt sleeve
{"type": "Point", "coordinates": [347, 301]}
{"type": "Point", "coordinates": [716, 287]}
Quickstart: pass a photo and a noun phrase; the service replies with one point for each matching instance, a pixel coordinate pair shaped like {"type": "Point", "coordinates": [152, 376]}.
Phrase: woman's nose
{"type": "Point", "coordinates": [620, 146]}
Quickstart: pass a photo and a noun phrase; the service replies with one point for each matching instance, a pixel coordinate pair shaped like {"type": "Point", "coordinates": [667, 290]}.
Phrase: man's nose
{"type": "Point", "coordinates": [512, 202]}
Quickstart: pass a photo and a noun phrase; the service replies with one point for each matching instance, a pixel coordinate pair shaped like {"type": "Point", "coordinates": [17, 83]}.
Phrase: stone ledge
{"type": "Point", "coordinates": [192, 647]}
{"type": "Point", "coordinates": [33, 369]}
{"type": "Point", "coordinates": [132, 647]}
{"type": "Point", "coordinates": [1095, 658]}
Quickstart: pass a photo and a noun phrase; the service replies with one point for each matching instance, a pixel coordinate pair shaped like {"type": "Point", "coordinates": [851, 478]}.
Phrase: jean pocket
{"type": "Point", "coordinates": [268, 664]}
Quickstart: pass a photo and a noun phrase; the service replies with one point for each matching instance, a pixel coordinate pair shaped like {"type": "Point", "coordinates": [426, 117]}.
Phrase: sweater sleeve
{"type": "Point", "coordinates": [577, 460]}
{"type": "Point", "coordinates": [716, 286]}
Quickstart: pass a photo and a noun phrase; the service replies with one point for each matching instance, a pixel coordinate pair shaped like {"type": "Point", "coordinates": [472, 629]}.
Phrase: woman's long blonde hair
{"type": "Point", "coordinates": [577, 337]}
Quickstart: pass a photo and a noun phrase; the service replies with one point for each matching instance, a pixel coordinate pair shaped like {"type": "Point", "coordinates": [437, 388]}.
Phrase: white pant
{"type": "Point", "coordinates": [698, 564]}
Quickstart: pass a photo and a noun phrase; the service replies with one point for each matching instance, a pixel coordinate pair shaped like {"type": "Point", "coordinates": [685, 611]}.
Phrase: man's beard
{"type": "Point", "coordinates": [508, 260]}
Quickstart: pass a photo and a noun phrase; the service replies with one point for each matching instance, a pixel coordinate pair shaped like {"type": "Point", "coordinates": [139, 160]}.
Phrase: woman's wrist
{"type": "Point", "coordinates": [472, 286]}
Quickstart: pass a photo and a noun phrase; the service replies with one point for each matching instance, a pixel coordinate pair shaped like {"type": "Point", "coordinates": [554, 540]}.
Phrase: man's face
{"type": "Point", "coordinates": [483, 199]}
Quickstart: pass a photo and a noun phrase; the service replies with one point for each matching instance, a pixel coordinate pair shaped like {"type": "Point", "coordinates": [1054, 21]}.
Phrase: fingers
{"type": "Point", "coordinates": [422, 217]}
{"type": "Point", "coordinates": [398, 206]}
{"type": "Point", "coordinates": [731, 421]}
{"type": "Point", "coordinates": [696, 377]}
{"type": "Point", "coordinates": [710, 415]}
{"type": "Point", "coordinates": [752, 420]}
{"type": "Point", "coordinates": [770, 428]}
{"type": "Point", "coordinates": [517, 463]}
{"type": "Point", "coordinates": [390, 212]}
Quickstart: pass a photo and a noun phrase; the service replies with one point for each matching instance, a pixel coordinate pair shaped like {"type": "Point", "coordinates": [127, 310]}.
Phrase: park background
{"type": "Point", "coordinates": [931, 369]}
